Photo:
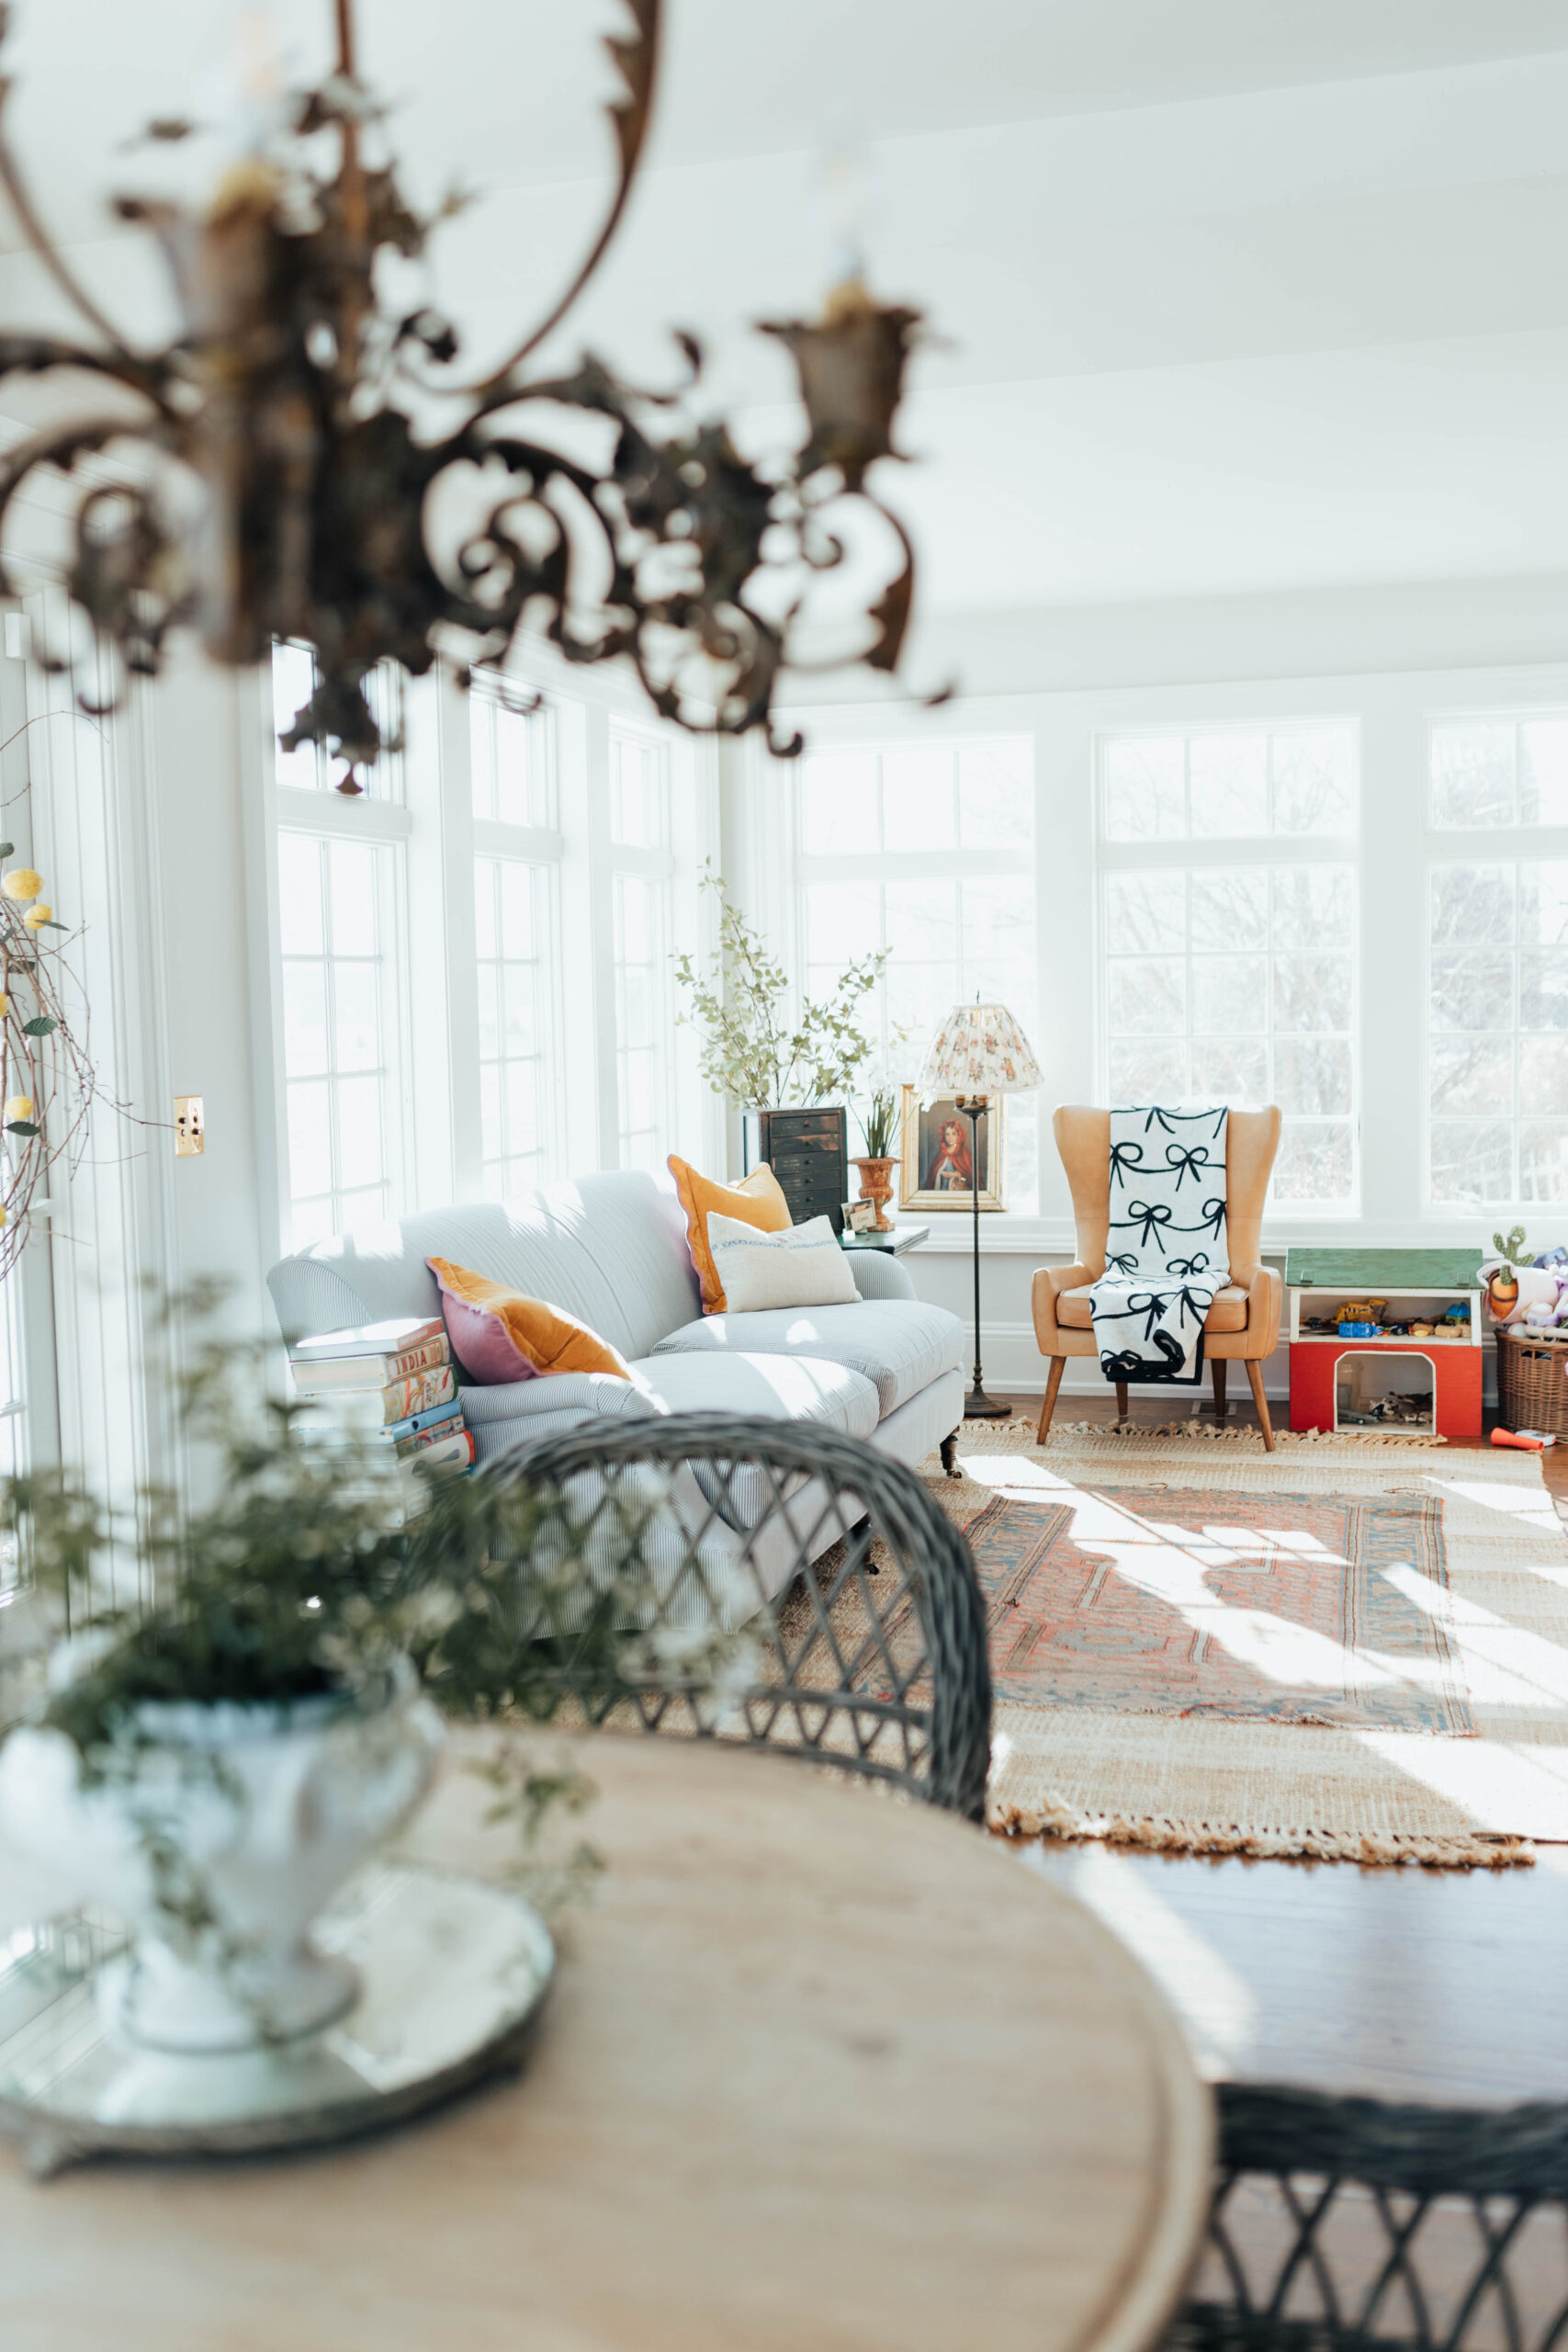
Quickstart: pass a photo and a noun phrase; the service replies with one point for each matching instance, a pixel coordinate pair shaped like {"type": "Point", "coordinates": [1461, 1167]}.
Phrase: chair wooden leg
{"type": "Point", "coordinates": [1058, 1366]}
{"type": "Point", "coordinates": [1217, 1365]}
{"type": "Point", "coordinates": [1121, 1400]}
{"type": "Point", "coordinates": [1255, 1375]}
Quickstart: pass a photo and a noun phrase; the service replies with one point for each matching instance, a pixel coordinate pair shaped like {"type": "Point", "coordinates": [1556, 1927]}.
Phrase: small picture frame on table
{"type": "Point", "coordinates": [860, 1217]}
{"type": "Point", "coordinates": [934, 1170]}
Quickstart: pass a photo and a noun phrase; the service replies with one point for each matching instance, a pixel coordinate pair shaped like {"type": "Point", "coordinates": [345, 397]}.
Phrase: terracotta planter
{"type": "Point", "coordinates": [876, 1184]}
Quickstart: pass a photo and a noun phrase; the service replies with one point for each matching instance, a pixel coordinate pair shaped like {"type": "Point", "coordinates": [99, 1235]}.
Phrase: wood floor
{"type": "Point", "coordinates": [1402, 1984]}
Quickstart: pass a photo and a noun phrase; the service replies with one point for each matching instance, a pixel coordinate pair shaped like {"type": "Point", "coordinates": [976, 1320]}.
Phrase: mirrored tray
{"type": "Point", "coordinates": [455, 1973]}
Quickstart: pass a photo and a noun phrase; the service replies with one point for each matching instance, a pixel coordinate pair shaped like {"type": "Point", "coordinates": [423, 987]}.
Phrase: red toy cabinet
{"type": "Point", "coordinates": [1336, 1382]}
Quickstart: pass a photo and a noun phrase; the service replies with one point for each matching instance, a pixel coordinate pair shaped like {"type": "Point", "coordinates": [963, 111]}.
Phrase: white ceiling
{"type": "Point", "coordinates": [1239, 294]}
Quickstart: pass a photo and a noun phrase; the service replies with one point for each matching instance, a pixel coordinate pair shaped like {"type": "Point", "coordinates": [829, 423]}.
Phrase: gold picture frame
{"type": "Point", "coordinates": [924, 1147]}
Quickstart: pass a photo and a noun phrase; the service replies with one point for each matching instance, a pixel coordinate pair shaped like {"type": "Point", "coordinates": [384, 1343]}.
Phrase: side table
{"type": "Point", "coordinates": [893, 1243]}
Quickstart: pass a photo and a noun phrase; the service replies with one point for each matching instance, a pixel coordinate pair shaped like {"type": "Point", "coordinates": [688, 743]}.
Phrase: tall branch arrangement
{"type": "Point", "coordinates": [289, 398]}
{"type": "Point", "coordinates": [48, 1084]}
{"type": "Point", "coordinates": [751, 1050]}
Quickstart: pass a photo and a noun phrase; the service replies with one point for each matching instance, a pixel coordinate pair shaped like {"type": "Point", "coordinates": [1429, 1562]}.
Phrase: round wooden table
{"type": "Point", "coordinates": [823, 2072]}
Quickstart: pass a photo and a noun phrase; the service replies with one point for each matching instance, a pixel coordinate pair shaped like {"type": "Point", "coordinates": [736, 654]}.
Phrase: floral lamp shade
{"type": "Point", "coordinates": [978, 1049]}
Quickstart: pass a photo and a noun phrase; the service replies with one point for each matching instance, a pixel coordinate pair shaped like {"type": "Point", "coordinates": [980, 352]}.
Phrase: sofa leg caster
{"type": "Point", "coordinates": [948, 1464]}
{"type": "Point", "coordinates": [861, 1533]}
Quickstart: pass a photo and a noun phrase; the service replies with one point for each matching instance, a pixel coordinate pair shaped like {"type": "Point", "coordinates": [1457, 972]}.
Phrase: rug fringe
{"type": "Point", "coordinates": [1375, 1848]}
{"type": "Point", "coordinates": [1208, 1433]}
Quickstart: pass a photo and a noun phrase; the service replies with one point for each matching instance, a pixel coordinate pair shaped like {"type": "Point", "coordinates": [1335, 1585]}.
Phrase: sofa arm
{"type": "Point", "coordinates": [1048, 1281]}
{"type": "Point", "coordinates": [878, 1274]}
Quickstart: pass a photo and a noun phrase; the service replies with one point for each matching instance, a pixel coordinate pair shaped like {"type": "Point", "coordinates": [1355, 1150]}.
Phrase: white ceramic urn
{"type": "Point", "coordinates": [217, 1835]}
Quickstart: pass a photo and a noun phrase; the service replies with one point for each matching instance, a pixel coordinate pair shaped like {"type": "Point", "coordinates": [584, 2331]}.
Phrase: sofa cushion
{"type": "Point", "coordinates": [899, 1345]}
{"type": "Point", "coordinates": [798, 1389]}
{"type": "Point", "coordinates": [1228, 1312]}
{"type": "Point", "coordinates": [780, 1388]}
{"type": "Point", "coordinates": [804, 1267]}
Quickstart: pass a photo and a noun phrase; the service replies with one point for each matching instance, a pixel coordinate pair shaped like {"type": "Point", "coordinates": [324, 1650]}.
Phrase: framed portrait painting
{"type": "Point", "coordinates": [935, 1172]}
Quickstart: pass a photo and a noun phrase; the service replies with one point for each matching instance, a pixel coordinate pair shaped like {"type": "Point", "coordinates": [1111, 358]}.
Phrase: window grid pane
{"type": "Point", "coordinates": [1229, 783]}
{"type": "Point", "coordinates": [949, 936]}
{"type": "Point", "coordinates": [1238, 985]}
{"type": "Point", "coordinates": [1496, 1030]}
{"type": "Point", "coordinates": [1499, 769]}
{"type": "Point", "coordinates": [643, 1017]}
{"type": "Point", "coordinates": [510, 757]}
{"type": "Point", "coordinates": [639, 791]}
{"type": "Point", "coordinates": [338, 1033]}
{"type": "Point", "coordinates": [513, 927]}
{"type": "Point", "coordinates": [308, 767]}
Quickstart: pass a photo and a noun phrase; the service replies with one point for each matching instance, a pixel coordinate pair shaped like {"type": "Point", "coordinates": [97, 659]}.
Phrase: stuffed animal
{"type": "Point", "coordinates": [1511, 1300]}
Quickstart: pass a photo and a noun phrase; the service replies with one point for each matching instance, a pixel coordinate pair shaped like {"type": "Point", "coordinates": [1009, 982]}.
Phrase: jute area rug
{"type": "Point", "coordinates": [1349, 1649]}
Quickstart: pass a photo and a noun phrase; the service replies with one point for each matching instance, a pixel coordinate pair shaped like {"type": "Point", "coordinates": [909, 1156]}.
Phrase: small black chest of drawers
{"type": "Point", "coordinates": [808, 1152]}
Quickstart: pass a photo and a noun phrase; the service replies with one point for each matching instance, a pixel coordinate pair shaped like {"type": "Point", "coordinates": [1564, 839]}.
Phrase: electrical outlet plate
{"type": "Point", "coordinates": [190, 1126]}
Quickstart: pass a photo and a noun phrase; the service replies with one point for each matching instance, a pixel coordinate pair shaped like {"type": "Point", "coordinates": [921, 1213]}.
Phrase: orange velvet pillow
{"type": "Point", "coordinates": [500, 1334]}
{"type": "Point", "coordinates": [757, 1199]}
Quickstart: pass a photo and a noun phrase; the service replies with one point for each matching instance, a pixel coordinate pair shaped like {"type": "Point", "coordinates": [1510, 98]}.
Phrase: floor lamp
{"type": "Point", "coordinates": [978, 1051]}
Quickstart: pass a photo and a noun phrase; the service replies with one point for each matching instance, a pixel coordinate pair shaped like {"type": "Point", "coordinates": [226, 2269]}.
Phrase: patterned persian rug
{"type": "Point", "coordinates": [1348, 1651]}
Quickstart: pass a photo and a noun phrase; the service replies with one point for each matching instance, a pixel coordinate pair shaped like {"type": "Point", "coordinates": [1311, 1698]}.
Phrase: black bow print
{"type": "Point", "coordinates": [1151, 1306]}
{"type": "Point", "coordinates": [1196, 1305]}
{"type": "Point", "coordinates": [1122, 1156]}
{"type": "Point", "coordinates": [1128, 1264]}
{"type": "Point", "coordinates": [1164, 1121]}
{"type": "Point", "coordinates": [1126, 1365]}
{"type": "Point", "coordinates": [1214, 1217]}
{"type": "Point", "coordinates": [1150, 1217]}
{"type": "Point", "coordinates": [1188, 1160]}
{"type": "Point", "coordinates": [1189, 1266]}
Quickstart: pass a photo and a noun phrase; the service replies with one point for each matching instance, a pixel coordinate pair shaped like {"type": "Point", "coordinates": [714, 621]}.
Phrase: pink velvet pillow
{"type": "Point", "coordinates": [503, 1335]}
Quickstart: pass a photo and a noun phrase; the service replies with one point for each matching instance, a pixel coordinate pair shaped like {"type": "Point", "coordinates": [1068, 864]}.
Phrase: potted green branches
{"type": "Point", "coordinates": [211, 1766]}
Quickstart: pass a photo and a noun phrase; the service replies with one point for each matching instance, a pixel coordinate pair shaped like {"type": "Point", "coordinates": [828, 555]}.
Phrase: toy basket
{"type": "Point", "coordinates": [1532, 1392]}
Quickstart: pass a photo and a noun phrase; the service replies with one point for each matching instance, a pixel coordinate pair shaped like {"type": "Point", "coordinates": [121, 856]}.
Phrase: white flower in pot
{"type": "Point", "coordinates": [217, 1832]}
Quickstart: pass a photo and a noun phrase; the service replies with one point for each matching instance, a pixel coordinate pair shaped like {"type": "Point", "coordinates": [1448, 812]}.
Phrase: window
{"type": "Point", "coordinates": [927, 851]}
{"type": "Point", "coordinates": [522, 878]}
{"type": "Point", "coordinates": [1497, 962]}
{"type": "Point", "coordinates": [1499, 771]}
{"type": "Point", "coordinates": [340, 1033]}
{"type": "Point", "coordinates": [1229, 971]}
{"type": "Point", "coordinates": [512, 934]}
{"type": "Point", "coordinates": [643, 884]}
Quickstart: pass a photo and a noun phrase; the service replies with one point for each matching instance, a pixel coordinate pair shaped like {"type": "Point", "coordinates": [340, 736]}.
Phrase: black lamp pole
{"type": "Point", "coordinates": [977, 1406]}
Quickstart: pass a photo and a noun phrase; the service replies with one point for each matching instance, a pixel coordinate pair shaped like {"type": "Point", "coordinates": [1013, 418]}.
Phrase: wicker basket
{"type": "Point", "coordinates": [1532, 1392]}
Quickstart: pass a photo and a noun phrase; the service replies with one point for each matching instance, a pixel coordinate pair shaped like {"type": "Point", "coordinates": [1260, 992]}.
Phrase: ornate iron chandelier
{"type": "Point", "coordinates": [298, 406]}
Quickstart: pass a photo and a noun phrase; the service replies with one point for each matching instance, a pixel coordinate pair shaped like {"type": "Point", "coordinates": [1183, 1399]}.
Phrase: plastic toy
{"type": "Point", "coordinates": [1527, 1441]}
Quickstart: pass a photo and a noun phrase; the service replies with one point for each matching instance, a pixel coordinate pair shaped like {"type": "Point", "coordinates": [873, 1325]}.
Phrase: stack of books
{"type": "Point", "coordinates": [388, 1385]}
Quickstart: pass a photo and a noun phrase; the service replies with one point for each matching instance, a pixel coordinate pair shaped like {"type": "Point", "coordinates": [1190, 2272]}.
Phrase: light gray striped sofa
{"type": "Point", "coordinates": [612, 1249]}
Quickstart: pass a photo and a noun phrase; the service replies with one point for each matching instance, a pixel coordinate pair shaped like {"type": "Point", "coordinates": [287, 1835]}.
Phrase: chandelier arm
{"type": "Point", "coordinates": [37, 355]}
{"type": "Point", "coordinates": [637, 61]}
{"type": "Point", "coordinates": [59, 445]}
{"type": "Point", "coordinates": [43, 244]}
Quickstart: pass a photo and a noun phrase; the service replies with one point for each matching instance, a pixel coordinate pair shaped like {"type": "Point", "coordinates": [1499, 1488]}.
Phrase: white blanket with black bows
{"type": "Point", "coordinates": [1167, 1252]}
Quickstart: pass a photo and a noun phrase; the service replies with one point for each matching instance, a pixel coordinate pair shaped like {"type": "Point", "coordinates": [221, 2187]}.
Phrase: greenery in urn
{"type": "Point", "coordinates": [752, 1050]}
{"type": "Point", "coordinates": [881, 1122]}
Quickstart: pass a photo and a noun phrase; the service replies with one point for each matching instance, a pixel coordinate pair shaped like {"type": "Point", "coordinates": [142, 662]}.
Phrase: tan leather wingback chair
{"type": "Point", "coordinates": [1244, 1321]}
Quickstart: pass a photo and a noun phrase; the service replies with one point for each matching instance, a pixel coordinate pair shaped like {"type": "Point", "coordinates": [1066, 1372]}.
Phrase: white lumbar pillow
{"type": "Point", "coordinates": [802, 1267]}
